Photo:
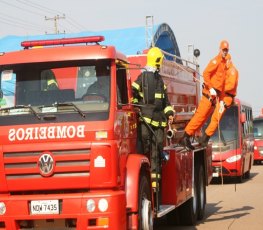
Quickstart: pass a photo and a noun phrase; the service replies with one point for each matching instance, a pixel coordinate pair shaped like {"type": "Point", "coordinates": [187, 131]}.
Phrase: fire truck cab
{"type": "Point", "coordinates": [68, 140]}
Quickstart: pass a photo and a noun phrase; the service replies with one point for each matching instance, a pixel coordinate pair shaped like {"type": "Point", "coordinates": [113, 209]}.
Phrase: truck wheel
{"type": "Point", "coordinates": [247, 174]}
{"type": "Point", "coordinates": [188, 211]}
{"type": "Point", "coordinates": [201, 193]}
{"type": "Point", "coordinates": [145, 205]}
{"type": "Point", "coordinates": [241, 177]}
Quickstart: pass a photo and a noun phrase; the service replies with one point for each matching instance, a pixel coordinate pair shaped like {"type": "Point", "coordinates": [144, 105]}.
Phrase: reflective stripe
{"type": "Point", "coordinates": [164, 87]}
{"type": "Point", "coordinates": [134, 100]}
{"type": "Point", "coordinates": [155, 123]}
{"type": "Point", "coordinates": [168, 108]}
{"type": "Point", "coordinates": [159, 95]}
{"type": "Point", "coordinates": [52, 81]}
{"type": "Point", "coordinates": [154, 175]}
{"type": "Point", "coordinates": [136, 86]}
{"type": "Point", "coordinates": [148, 120]}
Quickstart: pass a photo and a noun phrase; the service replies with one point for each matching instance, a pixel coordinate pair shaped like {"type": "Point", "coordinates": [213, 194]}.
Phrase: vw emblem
{"type": "Point", "coordinates": [46, 164]}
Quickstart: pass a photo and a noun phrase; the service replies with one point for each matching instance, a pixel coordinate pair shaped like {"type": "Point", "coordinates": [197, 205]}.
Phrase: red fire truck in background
{"type": "Point", "coordinates": [68, 139]}
{"type": "Point", "coordinates": [233, 143]}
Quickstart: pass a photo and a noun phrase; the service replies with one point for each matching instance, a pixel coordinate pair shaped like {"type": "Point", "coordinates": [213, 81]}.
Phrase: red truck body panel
{"type": "Point", "coordinates": [79, 158]}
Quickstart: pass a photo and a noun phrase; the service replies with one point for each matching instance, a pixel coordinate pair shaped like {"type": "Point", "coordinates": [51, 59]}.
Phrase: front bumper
{"type": "Point", "coordinates": [72, 214]}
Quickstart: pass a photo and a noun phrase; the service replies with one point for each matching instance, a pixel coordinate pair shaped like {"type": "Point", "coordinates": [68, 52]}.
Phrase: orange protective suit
{"type": "Point", "coordinates": [230, 91]}
{"type": "Point", "coordinates": [214, 77]}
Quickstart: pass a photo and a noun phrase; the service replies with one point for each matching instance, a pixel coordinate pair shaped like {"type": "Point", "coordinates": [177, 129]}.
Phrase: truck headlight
{"type": "Point", "coordinates": [103, 205]}
{"type": "Point", "coordinates": [233, 158]}
{"type": "Point", "coordinates": [91, 205]}
{"type": "Point", "coordinates": [2, 208]}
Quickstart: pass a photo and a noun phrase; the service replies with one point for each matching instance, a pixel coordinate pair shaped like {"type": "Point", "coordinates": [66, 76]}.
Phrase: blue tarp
{"type": "Point", "coordinates": [129, 41]}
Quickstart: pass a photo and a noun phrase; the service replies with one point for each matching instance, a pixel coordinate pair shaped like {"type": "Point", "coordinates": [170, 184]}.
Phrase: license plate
{"type": "Point", "coordinates": [215, 174]}
{"type": "Point", "coordinates": [38, 207]}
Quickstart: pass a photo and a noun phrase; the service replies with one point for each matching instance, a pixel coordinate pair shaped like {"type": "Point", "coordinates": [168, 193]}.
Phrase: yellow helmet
{"type": "Point", "coordinates": [154, 57]}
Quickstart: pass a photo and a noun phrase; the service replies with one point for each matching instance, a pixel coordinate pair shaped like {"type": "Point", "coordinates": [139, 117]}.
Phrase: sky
{"type": "Point", "coordinates": [201, 23]}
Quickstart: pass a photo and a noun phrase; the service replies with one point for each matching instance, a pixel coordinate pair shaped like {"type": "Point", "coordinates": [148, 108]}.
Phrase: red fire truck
{"type": "Point", "coordinates": [258, 139]}
{"type": "Point", "coordinates": [68, 140]}
{"type": "Point", "coordinates": [233, 143]}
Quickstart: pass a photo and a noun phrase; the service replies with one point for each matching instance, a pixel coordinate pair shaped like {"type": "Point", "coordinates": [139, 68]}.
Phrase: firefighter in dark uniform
{"type": "Point", "coordinates": [149, 92]}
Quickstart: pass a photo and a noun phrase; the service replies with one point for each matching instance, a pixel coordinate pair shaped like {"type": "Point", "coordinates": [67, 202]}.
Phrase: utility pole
{"type": "Point", "coordinates": [55, 19]}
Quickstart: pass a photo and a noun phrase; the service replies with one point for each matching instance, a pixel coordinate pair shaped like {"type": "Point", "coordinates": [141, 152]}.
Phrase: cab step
{"type": "Point", "coordinates": [164, 209]}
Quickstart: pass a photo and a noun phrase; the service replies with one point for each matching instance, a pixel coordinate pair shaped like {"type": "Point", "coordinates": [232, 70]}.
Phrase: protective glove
{"type": "Point", "coordinates": [170, 119]}
{"type": "Point", "coordinates": [221, 106]}
{"type": "Point", "coordinates": [212, 92]}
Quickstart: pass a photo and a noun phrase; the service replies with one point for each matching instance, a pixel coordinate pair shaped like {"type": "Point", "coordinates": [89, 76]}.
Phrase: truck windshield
{"type": "Point", "coordinates": [258, 128]}
{"type": "Point", "coordinates": [228, 127]}
{"type": "Point", "coordinates": [39, 88]}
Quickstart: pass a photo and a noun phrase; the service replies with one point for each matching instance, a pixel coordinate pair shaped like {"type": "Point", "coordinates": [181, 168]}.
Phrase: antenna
{"type": "Point", "coordinates": [149, 31]}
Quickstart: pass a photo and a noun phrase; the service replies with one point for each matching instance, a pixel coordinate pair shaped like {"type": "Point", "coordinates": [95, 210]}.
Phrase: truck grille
{"type": "Point", "coordinates": [68, 163]}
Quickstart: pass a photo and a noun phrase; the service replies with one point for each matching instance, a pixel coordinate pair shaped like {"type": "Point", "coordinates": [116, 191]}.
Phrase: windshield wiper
{"type": "Point", "coordinates": [71, 104]}
{"type": "Point", "coordinates": [22, 107]}
{"type": "Point", "coordinates": [222, 137]}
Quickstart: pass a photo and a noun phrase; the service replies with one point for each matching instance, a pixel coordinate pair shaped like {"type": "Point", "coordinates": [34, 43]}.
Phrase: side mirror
{"type": "Point", "coordinates": [243, 118]}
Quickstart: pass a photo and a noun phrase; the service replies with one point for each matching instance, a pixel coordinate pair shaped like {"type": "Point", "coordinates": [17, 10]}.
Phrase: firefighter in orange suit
{"type": "Point", "coordinates": [229, 94]}
{"type": "Point", "coordinates": [149, 92]}
{"type": "Point", "coordinates": [214, 80]}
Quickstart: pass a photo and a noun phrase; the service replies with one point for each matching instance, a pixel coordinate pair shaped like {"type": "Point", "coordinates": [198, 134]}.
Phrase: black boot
{"type": "Point", "coordinates": [186, 142]}
{"type": "Point", "coordinates": [204, 140]}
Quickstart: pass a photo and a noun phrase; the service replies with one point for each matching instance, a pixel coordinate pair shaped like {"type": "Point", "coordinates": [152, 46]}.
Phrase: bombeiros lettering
{"type": "Point", "coordinates": [43, 133]}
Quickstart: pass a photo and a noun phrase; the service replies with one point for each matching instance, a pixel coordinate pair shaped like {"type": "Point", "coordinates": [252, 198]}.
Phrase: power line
{"type": "Point", "coordinates": [8, 18]}
{"type": "Point", "coordinates": [76, 24]}
{"type": "Point", "coordinates": [41, 7]}
{"type": "Point", "coordinates": [29, 11]}
{"type": "Point", "coordinates": [15, 25]}
{"type": "Point", "coordinates": [46, 9]}
{"type": "Point", "coordinates": [25, 5]}
{"type": "Point", "coordinates": [70, 20]}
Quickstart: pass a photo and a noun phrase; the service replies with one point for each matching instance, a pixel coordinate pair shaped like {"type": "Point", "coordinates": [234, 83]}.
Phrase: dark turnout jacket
{"type": "Point", "coordinates": [149, 91]}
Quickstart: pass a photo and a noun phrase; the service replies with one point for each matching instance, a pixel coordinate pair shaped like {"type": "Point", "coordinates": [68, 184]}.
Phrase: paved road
{"type": "Point", "coordinates": [231, 206]}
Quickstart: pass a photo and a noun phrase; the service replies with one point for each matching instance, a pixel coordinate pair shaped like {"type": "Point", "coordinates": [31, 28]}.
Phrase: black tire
{"type": "Point", "coordinates": [201, 193]}
{"type": "Point", "coordinates": [247, 174]}
{"type": "Point", "coordinates": [173, 218]}
{"type": "Point", "coordinates": [145, 215]}
{"type": "Point", "coordinates": [188, 211]}
{"type": "Point", "coordinates": [240, 178]}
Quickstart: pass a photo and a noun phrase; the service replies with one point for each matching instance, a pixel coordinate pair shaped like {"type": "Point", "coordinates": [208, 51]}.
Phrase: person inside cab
{"type": "Point", "coordinates": [101, 87]}
{"type": "Point", "coordinates": [50, 82]}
